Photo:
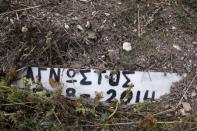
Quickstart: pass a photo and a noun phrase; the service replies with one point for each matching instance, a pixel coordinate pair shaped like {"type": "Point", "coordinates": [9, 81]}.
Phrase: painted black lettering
{"type": "Point", "coordinates": [146, 95]}
{"type": "Point", "coordinates": [39, 73]}
{"type": "Point", "coordinates": [30, 74]}
{"type": "Point", "coordinates": [137, 97]}
{"type": "Point", "coordinates": [56, 75]}
{"type": "Point", "coordinates": [71, 73]}
{"type": "Point", "coordinates": [85, 95]}
{"type": "Point", "coordinates": [70, 92]}
{"type": "Point", "coordinates": [37, 90]}
{"type": "Point", "coordinates": [125, 73]}
{"type": "Point", "coordinates": [113, 95]}
{"type": "Point", "coordinates": [83, 81]}
{"type": "Point", "coordinates": [100, 77]}
{"type": "Point", "coordinates": [153, 96]}
{"type": "Point", "coordinates": [126, 96]}
{"type": "Point", "coordinates": [111, 78]}
{"type": "Point", "coordinates": [71, 81]}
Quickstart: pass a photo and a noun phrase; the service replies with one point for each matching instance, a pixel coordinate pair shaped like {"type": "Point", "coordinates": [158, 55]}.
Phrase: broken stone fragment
{"type": "Point", "coordinates": [194, 42]}
{"type": "Point", "coordinates": [193, 94]}
{"type": "Point", "coordinates": [127, 46]}
{"type": "Point", "coordinates": [107, 14]}
{"type": "Point", "coordinates": [177, 47]}
{"type": "Point", "coordinates": [66, 26]}
{"type": "Point", "coordinates": [173, 28]}
{"type": "Point", "coordinates": [24, 29]}
{"type": "Point", "coordinates": [182, 112]}
{"type": "Point", "coordinates": [186, 106]}
{"type": "Point", "coordinates": [79, 27]}
{"type": "Point", "coordinates": [11, 21]}
{"type": "Point", "coordinates": [88, 25]}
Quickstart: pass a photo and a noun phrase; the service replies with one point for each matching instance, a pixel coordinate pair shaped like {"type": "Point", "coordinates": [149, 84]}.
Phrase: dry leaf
{"type": "Point", "coordinates": [98, 97]}
{"type": "Point", "coordinates": [54, 83]}
{"type": "Point", "coordinates": [10, 74]}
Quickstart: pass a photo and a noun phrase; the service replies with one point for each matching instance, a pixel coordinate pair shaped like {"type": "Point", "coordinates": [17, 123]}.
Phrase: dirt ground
{"type": "Point", "coordinates": [91, 33]}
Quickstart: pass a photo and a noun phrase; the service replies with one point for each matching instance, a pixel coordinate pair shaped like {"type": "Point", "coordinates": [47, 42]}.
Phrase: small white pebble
{"type": "Point", "coordinates": [103, 56]}
{"type": "Point", "coordinates": [12, 21]}
{"type": "Point", "coordinates": [84, 1]}
{"type": "Point", "coordinates": [193, 94]}
{"type": "Point", "coordinates": [94, 13]}
{"type": "Point", "coordinates": [88, 25]}
{"type": "Point", "coordinates": [182, 111]}
{"type": "Point", "coordinates": [177, 47]}
{"type": "Point", "coordinates": [135, 30]}
{"type": "Point", "coordinates": [75, 18]}
{"type": "Point", "coordinates": [186, 106]}
{"type": "Point", "coordinates": [80, 27]}
{"type": "Point", "coordinates": [24, 29]}
{"type": "Point", "coordinates": [173, 28]}
{"type": "Point", "coordinates": [66, 26]}
{"type": "Point", "coordinates": [119, 3]}
{"type": "Point", "coordinates": [127, 46]}
{"type": "Point", "coordinates": [107, 14]}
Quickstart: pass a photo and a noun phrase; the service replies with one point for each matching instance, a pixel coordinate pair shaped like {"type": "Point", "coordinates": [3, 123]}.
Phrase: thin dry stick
{"type": "Point", "coordinates": [17, 103]}
{"type": "Point", "coordinates": [50, 55]}
{"type": "Point", "coordinates": [132, 123]}
{"type": "Point", "coordinates": [102, 61]}
{"type": "Point", "coordinates": [59, 54]}
{"type": "Point", "coordinates": [151, 19]}
{"type": "Point", "coordinates": [138, 20]}
{"type": "Point", "coordinates": [22, 104]}
{"type": "Point", "coordinates": [75, 41]}
{"type": "Point", "coordinates": [186, 90]}
{"type": "Point", "coordinates": [171, 57]}
{"type": "Point", "coordinates": [58, 119]}
{"type": "Point", "coordinates": [114, 124]}
{"type": "Point", "coordinates": [166, 111]}
{"type": "Point", "coordinates": [180, 101]}
{"type": "Point", "coordinates": [117, 104]}
{"type": "Point", "coordinates": [23, 9]}
{"type": "Point", "coordinates": [21, 68]}
{"type": "Point", "coordinates": [49, 45]}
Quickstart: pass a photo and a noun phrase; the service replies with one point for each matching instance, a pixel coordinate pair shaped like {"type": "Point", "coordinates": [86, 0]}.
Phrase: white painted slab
{"type": "Point", "coordinates": [146, 84]}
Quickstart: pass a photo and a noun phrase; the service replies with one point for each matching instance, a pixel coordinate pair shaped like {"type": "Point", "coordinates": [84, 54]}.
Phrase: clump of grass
{"type": "Point", "coordinates": [148, 123]}
{"type": "Point", "coordinates": [21, 109]}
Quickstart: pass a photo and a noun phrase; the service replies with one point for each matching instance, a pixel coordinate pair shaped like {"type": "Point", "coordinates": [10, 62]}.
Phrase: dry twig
{"type": "Point", "coordinates": [23, 9]}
